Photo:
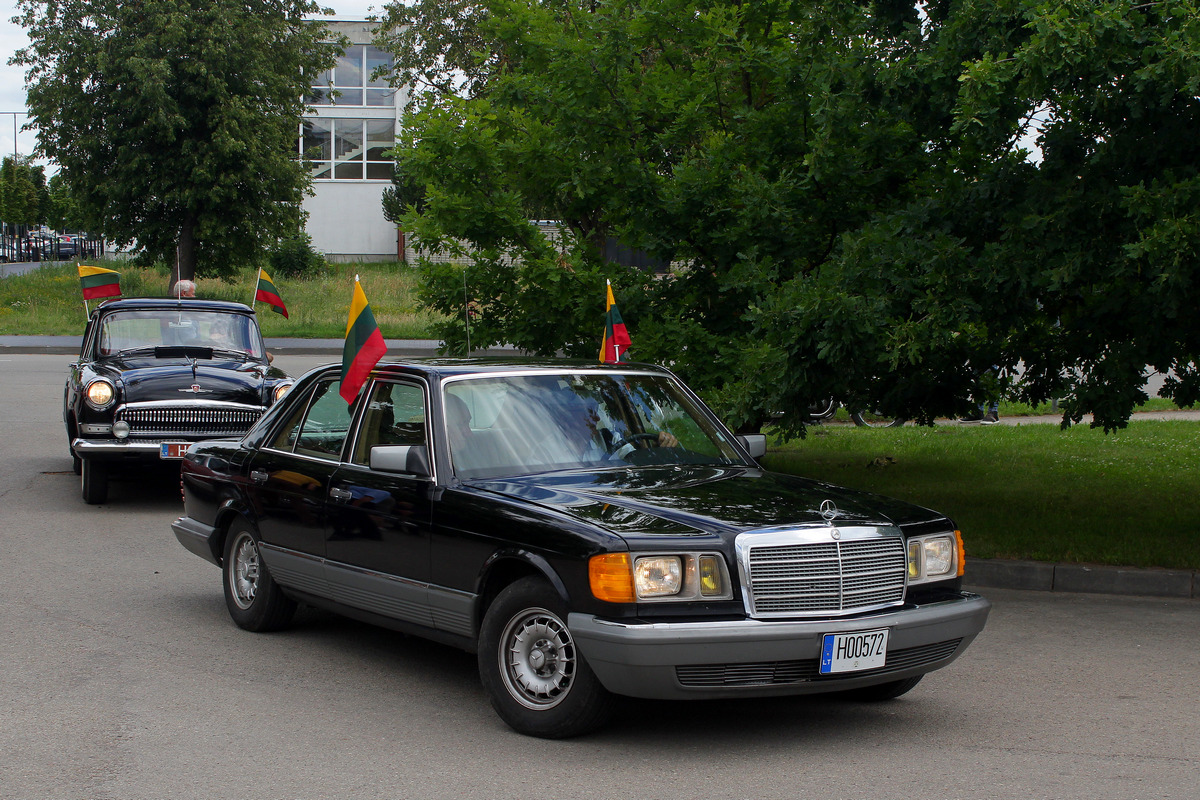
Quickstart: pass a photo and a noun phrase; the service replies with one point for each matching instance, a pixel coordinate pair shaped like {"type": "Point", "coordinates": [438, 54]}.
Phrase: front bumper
{"type": "Point", "coordinates": [118, 448]}
{"type": "Point", "coordinates": [753, 658]}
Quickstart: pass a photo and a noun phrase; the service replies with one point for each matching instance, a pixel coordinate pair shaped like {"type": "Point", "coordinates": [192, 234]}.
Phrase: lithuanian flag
{"type": "Point", "coordinates": [616, 338]}
{"type": "Point", "coordinates": [364, 346]}
{"type": "Point", "coordinates": [99, 282]}
{"type": "Point", "coordinates": [267, 293]}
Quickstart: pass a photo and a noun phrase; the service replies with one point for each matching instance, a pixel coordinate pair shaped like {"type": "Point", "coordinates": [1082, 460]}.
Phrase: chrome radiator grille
{"type": "Point", "coordinates": [190, 421]}
{"type": "Point", "coordinates": [810, 578]}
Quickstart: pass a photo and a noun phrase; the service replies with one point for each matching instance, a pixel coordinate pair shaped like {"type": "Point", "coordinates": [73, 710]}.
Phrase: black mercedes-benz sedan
{"type": "Point", "coordinates": [588, 530]}
{"type": "Point", "coordinates": [155, 376]}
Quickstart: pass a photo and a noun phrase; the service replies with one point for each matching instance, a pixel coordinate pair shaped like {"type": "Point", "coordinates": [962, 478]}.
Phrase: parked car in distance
{"type": "Point", "coordinates": [155, 376]}
{"type": "Point", "coordinates": [587, 530]}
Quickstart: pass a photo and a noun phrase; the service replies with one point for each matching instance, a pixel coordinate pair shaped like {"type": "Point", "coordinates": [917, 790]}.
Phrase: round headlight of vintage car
{"type": "Point", "coordinates": [100, 394]}
{"type": "Point", "coordinates": [280, 391]}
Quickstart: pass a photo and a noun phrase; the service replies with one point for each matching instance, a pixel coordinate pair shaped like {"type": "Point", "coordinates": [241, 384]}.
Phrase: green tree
{"type": "Point", "coordinates": [842, 187]}
{"type": "Point", "coordinates": [175, 122]}
{"type": "Point", "coordinates": [21, 185]}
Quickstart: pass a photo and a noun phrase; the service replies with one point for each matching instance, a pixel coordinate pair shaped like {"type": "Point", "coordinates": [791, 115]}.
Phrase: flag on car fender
{"type": "Point", "coordinates": [364, 345]}
{"type": "Point", "coordinates": [267, 293]}
{"type": "Point", "coordinates": [99, 282]}
{"type": "Point", "coordinates": [616, 338]}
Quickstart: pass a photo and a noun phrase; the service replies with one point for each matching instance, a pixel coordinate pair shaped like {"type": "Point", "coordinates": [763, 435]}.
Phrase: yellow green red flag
{"type": "Point", "coordinates": [267, 293]}
{"type": "Point", "coordinates": [363, 348]}
{"type": "Point", "coordinates": [99, 282]}
{"type": "Point", "coordinates": [616, 338]}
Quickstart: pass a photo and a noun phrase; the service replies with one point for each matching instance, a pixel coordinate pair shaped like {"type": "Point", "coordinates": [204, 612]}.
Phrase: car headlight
{"type": "Point", "coordinates": [656, 577]}
{"type": "Point", "coordinates": [100, 394]}
{"type": "Point", "coordinates": [935, 558]}
{"type": "Point", "coordinates": [280, 391]}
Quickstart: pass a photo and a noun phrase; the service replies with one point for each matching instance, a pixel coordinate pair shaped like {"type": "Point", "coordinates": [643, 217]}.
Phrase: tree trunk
{"type": "Point", "coordinates": [185, 256]}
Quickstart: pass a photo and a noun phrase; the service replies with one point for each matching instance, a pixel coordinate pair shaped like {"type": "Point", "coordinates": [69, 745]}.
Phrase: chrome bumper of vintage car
{"type": "Point", "coordinates": [755, 658]}
{"type": "Point", "coordinates": [117, 447]}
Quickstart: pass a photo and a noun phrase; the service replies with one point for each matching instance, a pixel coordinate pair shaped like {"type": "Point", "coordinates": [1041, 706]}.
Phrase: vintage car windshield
{"type": "Point", "coordinates": [526, 424]}
{"type": "Point", "coordinates": [126, 331]}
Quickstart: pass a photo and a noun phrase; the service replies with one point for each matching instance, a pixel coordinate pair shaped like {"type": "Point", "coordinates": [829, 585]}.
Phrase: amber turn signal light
{"type": "Point", "coordinates": [611, 578]}
{"type": "Point", "coordinates": [962, 553]}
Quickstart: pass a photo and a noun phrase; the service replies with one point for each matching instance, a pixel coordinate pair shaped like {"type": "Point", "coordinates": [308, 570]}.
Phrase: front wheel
{"type": "Point", "coordinates": [93, 477]}
{"type": "Point", "coordinates": [537, 680]}
{"type": "Point", "coordinates": [254, 600]}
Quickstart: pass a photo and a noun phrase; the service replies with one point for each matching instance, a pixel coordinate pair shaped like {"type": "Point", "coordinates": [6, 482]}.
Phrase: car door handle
{"type": "Point", "coordinates": [340, 495]}
{"type": "Point", "coordinates": [258, 476]}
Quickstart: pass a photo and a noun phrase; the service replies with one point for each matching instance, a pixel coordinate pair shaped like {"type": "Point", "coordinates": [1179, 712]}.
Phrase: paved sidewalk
{"type": "Point", "coordinates": [981, 573]}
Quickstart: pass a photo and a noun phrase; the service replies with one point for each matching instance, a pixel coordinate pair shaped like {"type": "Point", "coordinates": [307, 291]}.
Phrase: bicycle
{"type": "Point", "coordinates": [827, 409]}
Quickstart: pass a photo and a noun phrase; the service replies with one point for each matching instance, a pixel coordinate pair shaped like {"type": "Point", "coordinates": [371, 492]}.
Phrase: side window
{"type": "Point", "coordinates": [317, 428]}
{"type": "Point", "coordinates": [395, 414]}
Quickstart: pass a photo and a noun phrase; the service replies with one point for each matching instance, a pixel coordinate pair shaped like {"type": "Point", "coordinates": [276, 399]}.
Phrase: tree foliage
{"type": "Point", "coordinates": [842, 187]}
{"type": "Point", "coordinates": [23, 194]}
{"type": "Point", "coordinates": [175, 122]}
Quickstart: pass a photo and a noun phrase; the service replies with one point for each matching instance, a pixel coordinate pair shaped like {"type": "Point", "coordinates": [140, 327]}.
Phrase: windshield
{"type": "Point", "coordinates": [522, 425]}
{"type": "Point", "coordinates": [123, 331]}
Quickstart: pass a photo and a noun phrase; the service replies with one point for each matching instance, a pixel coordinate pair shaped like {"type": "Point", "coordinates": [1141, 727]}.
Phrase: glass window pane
{"type": "Point", "coordinates": [350, 171]}
{"type": "Point", "coordinates": [376, 59]}
{"type": "Point", "coordinates": [326, 425]}
{"type": "Point", "coordinates": [380, 138]}
{"type": "Point", "coordinates": [321, 169]}
{"type": "Point", "coordinates": [395, 415]}
{"type": "Point", "coordinates": [379, 97]}
{"type": "Point", "coordinates": [348, 140]}
{"type": "Point", "coordinates": [317, 96]}
{"type": "Point", "coordinates": [349, 68]}
{"type": "Point", "coordinates": [348, 97]}
{"type": "Point", "coordinates": [316, 141]}
{"type": "Point", "coordinates": [379, 170]}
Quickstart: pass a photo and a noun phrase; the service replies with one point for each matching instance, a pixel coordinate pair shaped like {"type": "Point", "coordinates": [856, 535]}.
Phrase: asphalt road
{"type": "Point", "coordinates": [121, 676]}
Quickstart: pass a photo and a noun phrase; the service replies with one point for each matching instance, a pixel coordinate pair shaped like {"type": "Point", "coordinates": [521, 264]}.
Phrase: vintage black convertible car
{"type": "Point", "coordinates": [587, 530]}
{"type": "Point", "coordinates": [156, 375]}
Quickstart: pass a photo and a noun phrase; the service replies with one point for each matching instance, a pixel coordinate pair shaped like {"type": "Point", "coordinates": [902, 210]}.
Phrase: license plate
{"type": "Point", "coordinates": [853, 652]}
{"type": "Point", "coordinates": [173, 449]}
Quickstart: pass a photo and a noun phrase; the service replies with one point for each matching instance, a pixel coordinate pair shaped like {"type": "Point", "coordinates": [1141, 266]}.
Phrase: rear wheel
{"type": "Point", "coordinates": [93, 476]}
{"type": "Point", "coordinates": [254, 600]}
{"type": "Point", "coordinates": [538, 682]}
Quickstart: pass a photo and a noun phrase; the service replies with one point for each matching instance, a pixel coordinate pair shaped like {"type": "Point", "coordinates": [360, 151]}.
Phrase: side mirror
{"type": "Point", "coordinates": [755, 443]}
{"type": "Point", "coordinates": [411, 459]}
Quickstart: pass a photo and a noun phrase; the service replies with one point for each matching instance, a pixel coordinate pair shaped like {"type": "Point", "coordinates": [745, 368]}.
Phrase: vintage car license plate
{"type": "Point", "coordinates": [173, 449]}
{"type": "Point", "coordinates": [852, 652]}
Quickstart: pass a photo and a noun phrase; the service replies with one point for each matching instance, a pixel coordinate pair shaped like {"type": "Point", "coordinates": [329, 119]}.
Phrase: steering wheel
{"type": "Point", "coordinates": [633, 437]}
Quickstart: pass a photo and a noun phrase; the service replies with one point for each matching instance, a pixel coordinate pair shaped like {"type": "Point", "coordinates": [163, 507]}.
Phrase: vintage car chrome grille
{"type": "Point", "coordinates": [189, 421]}
{"type": "Point", "coordinates": [777, 673]}
{"type": "Point", "coordinates": [816, 575]}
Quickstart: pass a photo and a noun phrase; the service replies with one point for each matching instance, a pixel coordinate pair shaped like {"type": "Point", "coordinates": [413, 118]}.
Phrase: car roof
{"type": "Point", "coordinates": [438, 368]}
{"type": "Point", "coordinates": [172, 304]}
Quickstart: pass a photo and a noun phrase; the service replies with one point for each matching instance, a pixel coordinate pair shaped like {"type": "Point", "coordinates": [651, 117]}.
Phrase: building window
{"type": "Point", "coordinates": [350, 82]}
{"type": "Point", "coordinates": [348, 149]}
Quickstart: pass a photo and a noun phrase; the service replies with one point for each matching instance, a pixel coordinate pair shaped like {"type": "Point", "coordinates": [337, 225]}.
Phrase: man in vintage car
{"type": "Point", "coordinates": [588, 530]}
{"type": "Point", "coordinates": [155, 376]}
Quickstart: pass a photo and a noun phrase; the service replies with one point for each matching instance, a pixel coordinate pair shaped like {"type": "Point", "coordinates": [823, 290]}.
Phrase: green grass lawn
{"type": "Point", "coordinates": [1030, 491]}
{"type": "Point", "coordinates": [49, 301]}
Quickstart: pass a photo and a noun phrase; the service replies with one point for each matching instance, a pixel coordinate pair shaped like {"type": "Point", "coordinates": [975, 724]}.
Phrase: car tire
{"type": "Point", "coordinates": [255, 601]}
{"type": "Point", "coordinates": [882, 691]}
{"type": "Point", "coordinates": [871, 419]}
{"type": "Point", "coordinates": [532, 670]}
{"type": "Point", "coordinates": [93, 480]}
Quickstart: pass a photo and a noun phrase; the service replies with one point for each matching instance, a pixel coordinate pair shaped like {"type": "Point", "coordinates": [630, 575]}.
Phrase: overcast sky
{"type": "Point", "coordinates": [12, 79]}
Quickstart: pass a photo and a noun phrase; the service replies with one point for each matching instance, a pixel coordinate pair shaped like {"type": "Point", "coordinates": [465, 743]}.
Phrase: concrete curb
{"type": "Point", "coordinates": [1087, 578]}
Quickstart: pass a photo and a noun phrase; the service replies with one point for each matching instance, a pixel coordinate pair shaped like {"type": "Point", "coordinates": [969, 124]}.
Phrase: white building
{"type": "Point", "coordinates": [352, 123]}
